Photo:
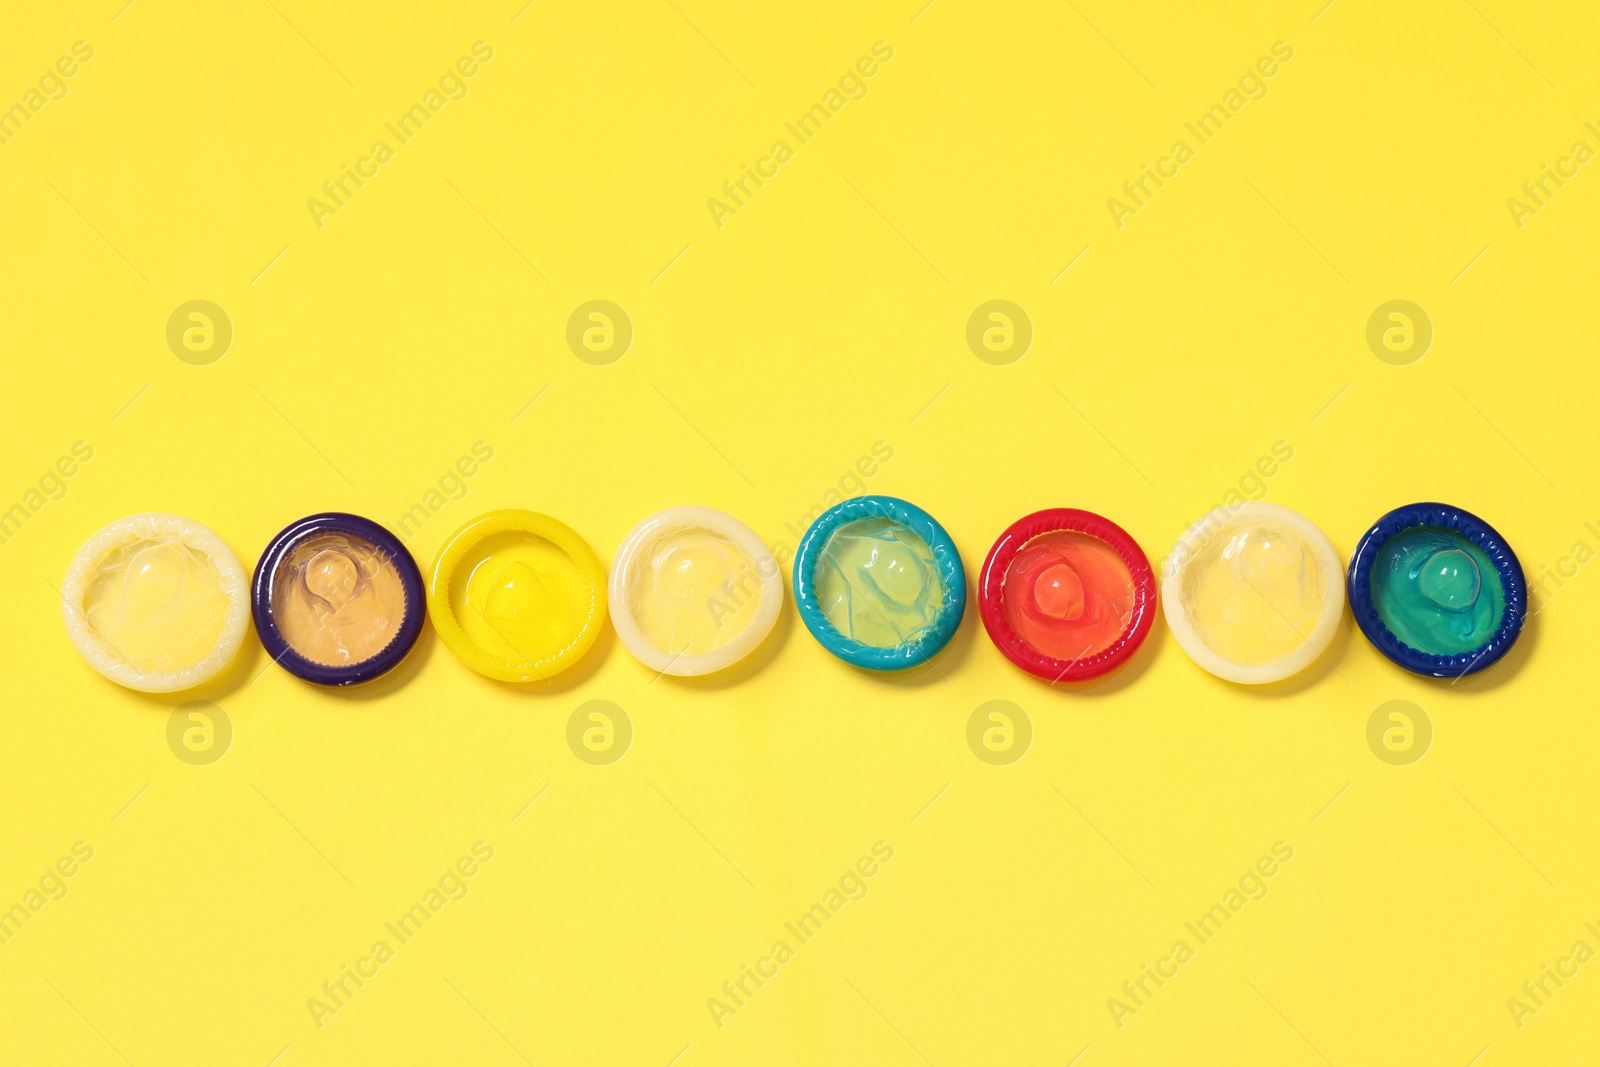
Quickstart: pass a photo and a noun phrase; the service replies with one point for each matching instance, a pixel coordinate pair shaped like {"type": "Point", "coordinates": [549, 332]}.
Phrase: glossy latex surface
{"type": "Point", "coordinates": [337, 599]}
{"type": "Point", "coordinates": [877, 583]}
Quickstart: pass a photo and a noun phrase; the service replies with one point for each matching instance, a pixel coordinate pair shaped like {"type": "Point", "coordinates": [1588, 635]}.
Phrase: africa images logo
{"type": "Point", "coordinates": [1137, 993]}
{"type": "Point", "coordinates": [1252, 85]}
{"type": "Point", "coordinates": [737, 192]}
{"type": "Point", "coordinates": [453, 885]}
{"type": "Point", "coordinates": [452, 85]}
{"type": "Point", "coordinates": [851, 886]}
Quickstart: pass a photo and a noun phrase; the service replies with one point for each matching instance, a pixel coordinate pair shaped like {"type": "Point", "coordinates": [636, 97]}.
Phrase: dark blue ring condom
{"type": "Point", "coordinates": [272, 638]}
{"type": "Point", "coordinates": [1473, 529]}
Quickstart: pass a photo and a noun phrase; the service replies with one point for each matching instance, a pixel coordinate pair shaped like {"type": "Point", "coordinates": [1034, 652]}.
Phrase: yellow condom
{"type": "Point", "coordinates": [517, 595]}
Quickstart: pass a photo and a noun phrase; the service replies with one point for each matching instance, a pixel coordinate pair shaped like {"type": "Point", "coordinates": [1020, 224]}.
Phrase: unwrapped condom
{"type": "Point", "coordinates": [1437, 590]}
{"type": "Point", "coordinates": [1066, 595]}
{"type": "Point", "coordinates": [693, 590]}
{"type": "Point", "coordinates": [337, 599]}
{"type": "Point", "coordinates": [879, 583]}
{"type": "Point", "coordinates": [156, 602]}
{"type": "Point", "coordinates": [1253, 592]}
{"type": "Point", "coordinates": [517, 595]}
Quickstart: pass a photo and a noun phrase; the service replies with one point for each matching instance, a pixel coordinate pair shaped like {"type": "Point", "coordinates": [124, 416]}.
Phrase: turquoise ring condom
{"type": "Point", "coordinates": [879, 583]}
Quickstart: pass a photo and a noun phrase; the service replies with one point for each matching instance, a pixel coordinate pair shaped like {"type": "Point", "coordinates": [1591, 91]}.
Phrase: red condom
{"type": "Point", "coordinates": [1066, 595]}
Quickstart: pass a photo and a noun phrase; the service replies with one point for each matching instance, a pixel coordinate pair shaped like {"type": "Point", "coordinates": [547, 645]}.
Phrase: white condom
{"type": "Point", "coordinates": [1253, 592]}
{"type": "Point", "coordinates": [156, 602]}
{"type": "Point", "coordinates": [693, 590]}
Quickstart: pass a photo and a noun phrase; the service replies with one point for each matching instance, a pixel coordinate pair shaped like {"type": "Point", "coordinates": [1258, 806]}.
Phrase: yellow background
{"type": "Point", "coordinates": [769, 355]}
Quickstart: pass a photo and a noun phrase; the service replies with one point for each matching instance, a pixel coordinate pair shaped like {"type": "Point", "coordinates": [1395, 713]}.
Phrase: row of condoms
{"type": "Point", "coordinates": [1252, 592]}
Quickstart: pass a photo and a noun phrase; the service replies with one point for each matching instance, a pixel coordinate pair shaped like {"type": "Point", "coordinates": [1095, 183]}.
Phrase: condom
{"type": "Point", "coordinates": [1066, 595]}
{"type": "Point", "coordinates": [1253, 592]}
{"type": "Point", "coordinates": [1437, 590]}
{"type": "Point", "coordinates": [879, 583]}
{"type": "Point", "coordinates": [517, 595]}
{"type": "Point", "coordinates": [337, 599]}
{"type": "Point", "coordinates": [693, 591]}
{"type": "Point", "coordinates": [156, 602]}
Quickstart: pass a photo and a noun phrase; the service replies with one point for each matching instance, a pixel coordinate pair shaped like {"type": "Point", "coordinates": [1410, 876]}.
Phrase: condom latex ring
{"type": "Point", "coordinates": [1066, 595]}
{"type": "Point", "coordinates": [337, 599]}
{"type": "Point", "coordinates": [517, 595]}
{"type": "Point", "coordinates": [879, 583]}
{"type": "Point", "coordinates": [156, 602]}
{"type": "Point", "coordinates": [693, 590]}
{"type": "Point", "coordinates": [1253, 592]}
{"type": "Point", "coordinates": [1437, 590]}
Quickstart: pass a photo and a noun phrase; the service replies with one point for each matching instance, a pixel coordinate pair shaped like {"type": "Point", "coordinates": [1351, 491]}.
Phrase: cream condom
{"type": "Point", "coordinates": [156, 602]}
{"type": "Point", "coordinates": [1253, 592]}
{"type": "Point", "coordinates": [693, 590]}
